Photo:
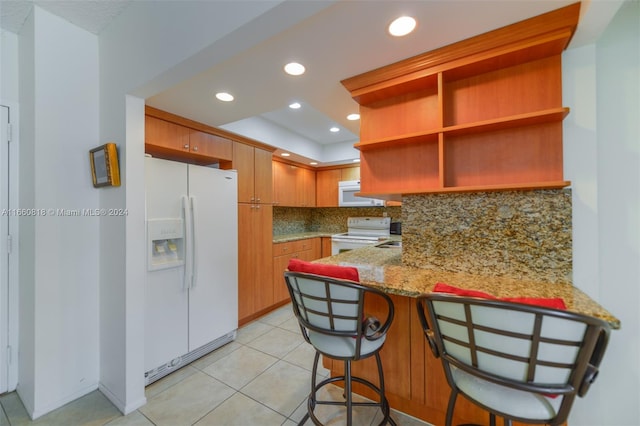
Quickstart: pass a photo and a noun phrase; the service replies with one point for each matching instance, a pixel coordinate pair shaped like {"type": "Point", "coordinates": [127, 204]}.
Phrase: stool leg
{"type": "Point", "coordinates": [384, 404]}
{"type": "Point", "coordinates": [347, 391]}
{"type": "Point", "coordinates": [450, 406]}
{"type": "Point", "coordinates": [311, 399]}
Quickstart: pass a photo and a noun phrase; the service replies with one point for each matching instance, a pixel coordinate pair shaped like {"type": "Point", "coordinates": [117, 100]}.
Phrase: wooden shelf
{"type": "Point", "coordinates": [411, 138]}
{"type": "Point", "coordinates": [483, 114]}
{"type": "Point", "coordinates": [520, 120]}
{"type": "Point", "coordinates": [396, 195]}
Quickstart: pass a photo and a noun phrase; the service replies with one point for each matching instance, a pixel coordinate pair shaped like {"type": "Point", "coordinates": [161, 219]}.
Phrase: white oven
{"type": "Point", "coordinates": [362, 231]}
{"type": "Point", "coordinates": [347, 190]}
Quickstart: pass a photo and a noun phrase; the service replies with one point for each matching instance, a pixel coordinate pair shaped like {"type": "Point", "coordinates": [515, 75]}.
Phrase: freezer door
{"type": "Point", "coordinates": [166, 296]}
{"type": "Point", "coordinates": [213, 293]}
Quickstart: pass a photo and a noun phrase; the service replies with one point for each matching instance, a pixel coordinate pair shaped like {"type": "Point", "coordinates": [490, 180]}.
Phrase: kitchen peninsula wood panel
{"type": "Point", "coordinates": [483, 114]}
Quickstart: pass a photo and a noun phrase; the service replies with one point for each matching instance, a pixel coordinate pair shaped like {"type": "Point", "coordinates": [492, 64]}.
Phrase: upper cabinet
{"type": "Point", "coordinates": [165, 138]}
{"type": "Point", "coordinates": [481, 114]}
{"type": "Point", "coordinates": [254, 173]}
{"type": "Point", "coordinates": [293, 185]}
{"type": "Point", "coordinates": [327, 183]}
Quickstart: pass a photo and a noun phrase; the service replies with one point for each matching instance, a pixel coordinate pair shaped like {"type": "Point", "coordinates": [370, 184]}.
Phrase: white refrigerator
{"type": "Point", "coordinates": [191, 288]}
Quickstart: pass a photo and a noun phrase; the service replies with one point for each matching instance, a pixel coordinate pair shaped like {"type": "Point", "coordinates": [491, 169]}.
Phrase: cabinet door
{"type": "Point", "coordinates": [350, 173]}
{"type": "Point", "coordinates": [262, 176]}
{"type": "Point", "coordinates": [280, 292]}
{"type": "Point", "coordinates": [325, 249]}
{"type": "Point", "coordinates": [327, 187]}
{"type": "Point", "coordinates": [284, 187]}
{"type": "Point", "coordinates": [255, 291]}
{"type": "Point", "coordinates": [209, 145]}
{"type": "Point", "coordinates": [163, 134]}
{"type": "Point", "coordinates": [307, 182]}
{"type": "Point", "coordinates": [243, 163]}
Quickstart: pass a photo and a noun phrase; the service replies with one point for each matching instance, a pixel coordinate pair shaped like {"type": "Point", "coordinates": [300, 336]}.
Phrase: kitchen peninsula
{"type": "Point", "coordinates": [414, 379]}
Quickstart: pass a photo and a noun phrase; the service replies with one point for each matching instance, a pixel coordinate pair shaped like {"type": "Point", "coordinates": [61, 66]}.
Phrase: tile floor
{"type": "Point", "coordinates": [262, 378]}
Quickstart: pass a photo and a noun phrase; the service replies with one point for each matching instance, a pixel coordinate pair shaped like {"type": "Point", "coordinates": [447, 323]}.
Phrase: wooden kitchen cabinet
{"type": "Point", "coordinates": [325, 250]}
{"type": "Point", "coordinates": [327, 183]}
{"type": "Point", "coordinates": [168, 139]}
{"type": "Point", "coordinates": [254, 173]}
{"type": "Point", "coordinates": [306, 190]}
{"type": "Point", "coordinates": [306, 249]}
{"type": "Point", "coordinates": [293, 185]}
{"type": "Point", "coordinates": [210, 145]}
{"type": "Point", "coordinates": [481, 114]}
{"type": "Point", "coordinates": [255, 260]}
{"type": "Point", "coordinates": [284, 184]}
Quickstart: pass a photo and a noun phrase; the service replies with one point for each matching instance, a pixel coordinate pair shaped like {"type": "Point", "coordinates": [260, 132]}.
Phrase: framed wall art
{"type": "Point", "coordinates": [104, 165]}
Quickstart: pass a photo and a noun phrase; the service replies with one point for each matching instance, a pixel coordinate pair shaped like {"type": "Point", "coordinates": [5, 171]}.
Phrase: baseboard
{"type": "Point", "coordinates": [36, 413]}
{"type": "Point", "coordinates": [120, 405]}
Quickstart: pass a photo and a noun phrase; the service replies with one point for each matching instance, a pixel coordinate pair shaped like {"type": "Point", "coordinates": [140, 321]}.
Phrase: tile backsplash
{"type": "Point", "coordinates": [508, 233]}
{"type": "Point", "coordinates": [292, 220]}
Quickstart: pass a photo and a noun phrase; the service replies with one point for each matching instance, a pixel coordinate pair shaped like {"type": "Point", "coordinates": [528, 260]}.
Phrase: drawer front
{"type": "Point", "coordinates": [280, 249]}
{"type": "Point", "coordinates": [303, 245]}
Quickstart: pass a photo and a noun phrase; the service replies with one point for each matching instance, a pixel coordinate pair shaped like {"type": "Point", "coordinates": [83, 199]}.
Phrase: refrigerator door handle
{"type": "Point", "coordinates": [187, 252]}
{"type": "Point", "coordinates": [194, 253]}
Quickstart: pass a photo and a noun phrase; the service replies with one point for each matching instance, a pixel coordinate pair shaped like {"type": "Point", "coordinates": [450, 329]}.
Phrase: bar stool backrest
{"type": "Point", "coordinates": [334, 307]}
{"type": "Point", "coordinates": [524, 347]}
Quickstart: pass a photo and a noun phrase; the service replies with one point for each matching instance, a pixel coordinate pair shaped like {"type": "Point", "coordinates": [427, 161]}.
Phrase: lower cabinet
{"type": "Point", "coordinates": [255, 239]}
{"type": "Point", "coordinates": [307, 249]}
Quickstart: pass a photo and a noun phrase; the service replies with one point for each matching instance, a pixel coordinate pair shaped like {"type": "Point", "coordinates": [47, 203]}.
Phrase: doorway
{"type": "Point", "coordinates": [8, 251]}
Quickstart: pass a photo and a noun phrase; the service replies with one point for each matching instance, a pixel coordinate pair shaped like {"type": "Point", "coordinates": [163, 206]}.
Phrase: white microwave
{"type": "Point", "coordinates": [347, 190]}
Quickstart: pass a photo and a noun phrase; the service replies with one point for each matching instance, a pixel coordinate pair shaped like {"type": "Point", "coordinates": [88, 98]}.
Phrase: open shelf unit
{"type": "Point", "coordinates": [484, 114]}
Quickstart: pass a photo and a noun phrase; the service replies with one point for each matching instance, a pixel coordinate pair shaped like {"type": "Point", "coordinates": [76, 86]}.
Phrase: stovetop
{"type": "Point", "coordinates": [367, 228]}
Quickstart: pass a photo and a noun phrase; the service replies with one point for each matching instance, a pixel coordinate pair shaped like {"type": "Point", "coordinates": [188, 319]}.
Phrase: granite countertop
{"type": "Point", "coordinates": [285, 238]}
{"type": "Point", "coordinates": [382, 268]}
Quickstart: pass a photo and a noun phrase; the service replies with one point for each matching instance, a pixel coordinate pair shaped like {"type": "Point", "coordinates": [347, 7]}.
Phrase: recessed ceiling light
{"type": "Point", "coordinates": [314, 163]}
{"type": "Point", "coordinates": [285, 154]}
{"type": "Point", "coordinates": [402, 26]}
{"type": "Point", "coordinates": [353, 117]}
{"type": "Point", "coordinates": [224, 96]}
{"type": "Point", "coordinates": [295, 105]}
{"type": "Point", "coordinates": [356, 160]}
{"type": "Point", "coordinates": [334, 129]}
{"type": "Point", "coordinates": [294, 68]}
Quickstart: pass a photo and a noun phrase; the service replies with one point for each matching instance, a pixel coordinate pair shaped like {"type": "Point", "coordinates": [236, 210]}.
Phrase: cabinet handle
{"type": "Point", "coordinates": [258, 199]}
{"type": "Point", "coordinates": [195, 148]}
{"type": "Point", "coordinates": [186, 146]}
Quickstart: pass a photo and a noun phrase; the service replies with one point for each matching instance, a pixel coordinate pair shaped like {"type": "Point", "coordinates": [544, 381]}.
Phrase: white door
{"type": "Point", "coordinates": [4, 243]}
{"type": "Point", "coordinates": [213, 296]}
{"type": "Point", "coordinates": [166, 295]}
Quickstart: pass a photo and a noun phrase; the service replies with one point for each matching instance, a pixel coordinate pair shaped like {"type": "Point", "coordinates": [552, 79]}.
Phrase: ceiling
{"type": "Point", "coordinates": [343, 39]}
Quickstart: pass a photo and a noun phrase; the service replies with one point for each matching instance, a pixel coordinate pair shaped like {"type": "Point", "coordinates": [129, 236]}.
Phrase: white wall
{"type": "Point", "coordinates": [8, 66]}
{"type": "Point", "coordinates": [58, 253]}
{"type": "Point", "coordinates": [602, 159]}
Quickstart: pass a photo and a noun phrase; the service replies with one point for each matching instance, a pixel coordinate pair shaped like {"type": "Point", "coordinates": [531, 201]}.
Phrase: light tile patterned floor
{"type": "Point", "coordinates": [260, 379]}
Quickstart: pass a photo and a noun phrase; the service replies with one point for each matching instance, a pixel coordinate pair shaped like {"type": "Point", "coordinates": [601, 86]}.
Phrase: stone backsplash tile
{"type": "Point", "coordinates": [518, 234]}
{"type": "Point", "coordinates": [292, 220]}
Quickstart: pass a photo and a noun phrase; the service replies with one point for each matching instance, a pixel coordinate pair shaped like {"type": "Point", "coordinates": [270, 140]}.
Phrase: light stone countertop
{"type": "Point", "coordinates": [285, 238]}
{"type": "Point", "coordinates": [382, 268]}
